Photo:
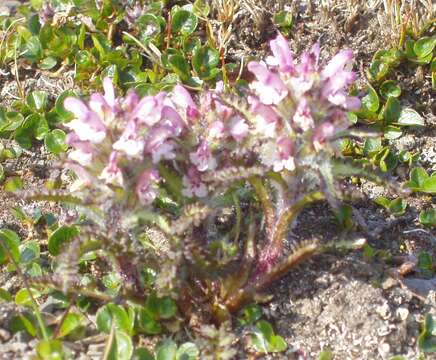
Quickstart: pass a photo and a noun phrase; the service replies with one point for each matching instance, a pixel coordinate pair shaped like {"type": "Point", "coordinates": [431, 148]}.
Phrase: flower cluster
{"type": "Point", "coordinates": [291, 107]}
{"type": "Point", "coordinates": [299, 105]}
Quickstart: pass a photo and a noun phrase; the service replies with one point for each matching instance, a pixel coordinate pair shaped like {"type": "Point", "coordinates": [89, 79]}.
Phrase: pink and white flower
{"type": "Point", "coordinates": [192, 184]}
{"type": "Point", "coordinates": [203, 158]}
{"type": "Point", "coordinates": [278, 155]}
{"type": "Point", "coordinates": [112, 174]}
{"type": "Point", "coordinates": [147, 187]}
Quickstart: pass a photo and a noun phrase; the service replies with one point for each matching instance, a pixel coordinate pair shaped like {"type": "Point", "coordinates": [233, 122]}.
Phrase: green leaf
{"type": "Point", "coordinates": [370, 102]}
{"type": "Point", "coordinates": [13, 184]}
{"type": "Point", "coordinates": [142, 354]}
{"type": "Point", "coordinates": [29, 252]}
{"type": "Point", "coordinates": [392, 110]}
{"type": "Point", "coordinates": [167, 308]}
{"type": "Point", "coordinates": [283, 19]}
{"type": "Point", "coordinates": [424, 46]}
{"type": "Point", "coordinates": [24, 322]}
{"type": "Point", "coordinates": [9, 242]}
{"type": "Point", "coordinates": [27, 131]}
{"type": "Point", "coordinates": [390, 88]}
{"type": "Point", "coordinates": [22, 297]}
{"type": "Point", "coordinates": [48, 63]}
{"type": "Point", "coordinates": [180, 66]}
{"type": "Point", "coordinates": [372, 146]}
{"type": "Point", "coordinates": [71, 322]}
{"type": "Point", "coordinates": [166, 350]}
{"type": "Point", "coordinates": [427, 338]}
{"type": "Point", "coordinates": [429, 185]}
{"type": "Point", "coordinates": [378, 70]}
{"type": "Point", "coordinates": [147, 322]}
{"type": "Point", "coordinates": [187, 351]}
{"type": "Point", "coordinates": [409, 117]}
{"type": "Point", "coordinates": [33, 49]}
{"type": "Point", "coordinates": [392, 132]}
{"type": "Point", "coordinates": [37, 100]}
{"type": "Point", "coordinates": [55, 141]}
{"type": "Point", "coordinates": [265, 340]}
{"type": "Point", "coordinates": [112, 312]}
{"type": "Point", "coordinates": [2, 173]}
{"type": "Point", "coordinates": [428, 217]}
{"type": "Point", "coordinates": [398, 206]}
{"type": "Point", "coordinates": [417, 177]}
{"type": "Point", "coordinates": [184, 22]}
{"type": "Point", "coordinates": [5, 295]}
{"type": "Point", "coordinates": [63, 114]}
{"type": "Point", "coordinates": [61, 236]}
{"type": "Point", "coordinates": [50, 350]}
{"type": "Point", "coordinates": [425, 263]}
{"type": "Point", "coordinates": [205, 61]}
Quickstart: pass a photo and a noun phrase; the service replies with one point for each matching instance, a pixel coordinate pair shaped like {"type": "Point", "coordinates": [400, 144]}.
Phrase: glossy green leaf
{"type": "Point", "coordinates": [184, 22]}
{"type": "Point", "coordinates": [112, 312]}
{"type": "Point", "coordinates": [428, 217]}
{"type": "Point", "coordinates": [22, 297]}
{"type": "Point", "coordinates": [370, 102]}
{"type": "Point", "coordinates": [205, 61]}
{"type": "Point", "coordinates": [187, 351]}
{"type": "Point", "coordinates": [167, 308]}
{"type": "Point", "coordinates": [48, 63]}
{"type": "Point", "coordinates": [390, 88]}
{"type": "Point", "coordinates": [142, 354]}
{"type": "Point", "coordinates": [63, 114]}
{"type": "Point", "coordinates": [5, 295]}
{"type": "Point", "coordinates": [55, 141]}
{"type": "Point", "coordinates": [392, 111]}
{"type": "Point", "coordinates": [392, 132]}
{"type": "Point", "coordinates": [265, 340]}
{"type": "Point", "coordinates": [9, 243]}
{"type": "Point", "coordinates": [409, 117]}
{"type": "Point", "coordinates": [50, 350]}
{"type": "Point", "coordinates": [29, 252]}
{"type": "Point", "coordinates": [37, 100]}
{"type": "Point", "coordinates": [61, 236]}
{"type": "Point", "coordinates": [427, 338]}
{"type": "Point", "coordinates": [378, 70]}
{"type": "Point", "coordinates": [424, 46]}
{"type": "Point", "coordinates": [166, 350]}
{"type": "Point", "coordinates": [180, 66]}
{"type": "Point", "coordinates": [147, 323]}
{"type": "Point", "coordinates": [71, 322]}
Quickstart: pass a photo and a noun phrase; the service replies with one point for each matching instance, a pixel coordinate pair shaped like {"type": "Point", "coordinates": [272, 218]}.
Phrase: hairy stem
{"type": "Point", "coordinates": [288, 216]}
{"type": "Point", "coordinates": [247, 293]}
{"type": "Point", "coordinates": [266, 203]}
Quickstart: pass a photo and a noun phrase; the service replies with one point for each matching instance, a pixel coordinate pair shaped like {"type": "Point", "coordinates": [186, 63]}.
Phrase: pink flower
{"type": "Point", "coordinates": [112, 174]}
{"type": "Point", "coordinates": [216, 130]}
{"type": "Point", "coordinates": [172, 120]}
{"type": "Point", "coordinates": [303, 117]}
{"type": "Point", "coordinates": [130, 101]}
{"type": "Point", "coordinates": [266, 119]}
{"type": "Point", "coordinates": [282, 54]}
{"type": "Point", "coordinates": [87, 125]}
{"type": "Point", "coordinates": [238, 128]}
{"type": "Point", "coordinates": [84, 150]}
{"type": "Point", "coordinates": [181, 97]}
{"type": "Point", "coordinates": [146, 188]}
{"type": "Point", "coordinates": [148, 110]}
{"type": "Point", "coordinates": [130, 142]}
{"type": "Point", "coordinates": [157, 144]}
{"type": "Point", "coordinates": [278, 155]}
{"type": "Point", "coordinates": [109, 92]}
{"type": "Point", "coordinates": [192, 185]}
{"type": "Point", "coordinates": [203, 158]}
{"type": "Point", "coordinates": [338, 63]}
{"type": "Point", "coordinates": [322, 133]}
{"type": "Point", "coordinates": [269, 87]}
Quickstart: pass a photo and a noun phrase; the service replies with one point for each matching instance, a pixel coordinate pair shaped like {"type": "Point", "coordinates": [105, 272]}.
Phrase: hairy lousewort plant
{"type": "Point", "coordinates": [271, 151]}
